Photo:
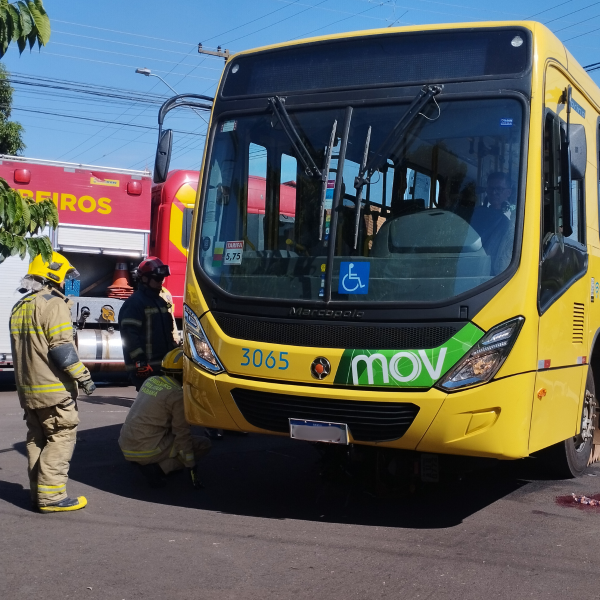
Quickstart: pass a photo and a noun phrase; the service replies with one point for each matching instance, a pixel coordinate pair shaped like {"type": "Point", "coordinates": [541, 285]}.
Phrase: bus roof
{"type": "Point", "coordinates": [542, 35]}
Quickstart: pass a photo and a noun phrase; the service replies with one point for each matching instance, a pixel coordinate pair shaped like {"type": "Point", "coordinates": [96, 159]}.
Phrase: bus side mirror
{"type": "Point", "coordinates": [163, 156]}
{"type": "Point", "coordinates": [578, 147]}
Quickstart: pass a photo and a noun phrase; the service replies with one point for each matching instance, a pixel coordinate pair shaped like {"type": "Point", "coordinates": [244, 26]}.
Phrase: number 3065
{"type": "Point", "coordinates": [257, 359]}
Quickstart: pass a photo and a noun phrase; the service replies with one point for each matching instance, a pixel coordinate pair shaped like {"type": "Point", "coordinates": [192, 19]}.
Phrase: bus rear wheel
{"type": "Point", "coordinates": [570, 458]}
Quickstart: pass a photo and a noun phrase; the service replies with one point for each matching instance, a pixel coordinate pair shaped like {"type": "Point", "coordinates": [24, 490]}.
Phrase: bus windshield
{"type": "Point", "coordinates": [435, 220]}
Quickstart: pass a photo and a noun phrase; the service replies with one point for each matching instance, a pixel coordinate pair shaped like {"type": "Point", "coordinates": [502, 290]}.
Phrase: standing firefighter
{"type": "Point", "coordinates": [47, 371]}
{"type": "Point", "coordinates": [155, 434]}
{"type": "Point", "coordinates": [146, 323]}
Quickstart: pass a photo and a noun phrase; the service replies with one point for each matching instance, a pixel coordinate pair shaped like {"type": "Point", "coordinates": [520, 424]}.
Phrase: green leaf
{"type": "Point", "coordinates": [32, 247]}
{"type": "Point", "coordinates": [32, 38]}
{"type": "Point", "coordinates": [45, 248]}
{"type": "Point", "coordinates": [36, 218]}
{"type": "Point", "coordinates": [21, 44]}
{"type": "Point", "coordinates": [27, 23]}
{"type": "Point", "coordinates": [52, 214]}
{"type": "Point", "coordinates": [26, 214]}
{"type": "Point", "coordinates": [41, 20]}
{"type": "Point", "coordinates": [16, 22]}
{"type": "Point", "coordinates": [18, 206]}
{"type": "Point", "coordinates": [2, 206]}
{"type": "Point", "coordinates": [10, 208]}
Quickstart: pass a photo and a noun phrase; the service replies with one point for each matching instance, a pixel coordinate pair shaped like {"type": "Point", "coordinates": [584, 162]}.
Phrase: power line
{"type": "Point", "coordinates": [149, 37]}
{"type": "Point", "coordinates": [104, 62]}
{"type": "Point", "coordinates": [155, 84]}
{"type": "Point", "coordinates": [277, 22]}
{"type": "Point", "coordinates": [42, 112]}
{"type": "Point", "coordinates": [248, 22]}
{"type": "Point", "coordinates": [548, 9]}
{"type": "Point", "coordinates": [582, 34]}
{"type": "Point", "coordinates": [339, 21]}
{"type": "Point", "coordinates": [579, 23]}
{"type": "Point", "coordinates": [130, 55]}
{"type": "Point", "coordinates": [90, 37]}
{"type": "Point", "coordinates": [572, 13]}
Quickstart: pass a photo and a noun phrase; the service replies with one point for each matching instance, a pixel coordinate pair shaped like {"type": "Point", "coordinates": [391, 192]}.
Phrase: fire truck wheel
{"type": "Point", "coordinates": [570, 458]}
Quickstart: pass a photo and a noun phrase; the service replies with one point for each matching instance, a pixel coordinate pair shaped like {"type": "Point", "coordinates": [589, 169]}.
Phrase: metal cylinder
{"type": "Point", "coordinates": [100, 349]}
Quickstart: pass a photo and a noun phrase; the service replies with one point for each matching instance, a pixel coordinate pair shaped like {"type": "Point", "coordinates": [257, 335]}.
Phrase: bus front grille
{"type": "Point", "coordinates": [367, 421]}
{"type": "Point", "coordinates": [336, 335]}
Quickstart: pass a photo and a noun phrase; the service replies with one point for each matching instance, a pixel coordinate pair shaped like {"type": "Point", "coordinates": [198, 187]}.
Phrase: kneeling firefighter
{"type": "Point", "coordinates": [47, 373]}
{"type": "Point", "coordinates": [155, 434]}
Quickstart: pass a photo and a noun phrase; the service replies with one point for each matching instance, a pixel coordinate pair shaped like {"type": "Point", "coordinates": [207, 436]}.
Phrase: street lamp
{"type": "Point", "coordinates": [149, 73]}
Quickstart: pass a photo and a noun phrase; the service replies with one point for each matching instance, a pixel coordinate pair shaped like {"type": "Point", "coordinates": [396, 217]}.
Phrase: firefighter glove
{"type": "Point", "coordinates": [196, 483]}
{"type": "Point", "coordinates": [143, 370]}
{"type": "Point", "coordinates": [88, 386]}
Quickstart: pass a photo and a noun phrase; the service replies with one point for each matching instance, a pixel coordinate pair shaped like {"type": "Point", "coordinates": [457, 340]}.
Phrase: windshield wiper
{"type": "Point", "coordinates": [393, 140]}
{"type": "Point", "coordinates": [277, 105]}
{"type": "Point", "coordinates": [328, 153]}
{"type": "Point", "coordinates": [360, 190]}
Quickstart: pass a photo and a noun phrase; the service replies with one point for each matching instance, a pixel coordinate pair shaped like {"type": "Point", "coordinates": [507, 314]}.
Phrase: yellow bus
{"type": "Point", "coordinates": [430, 279]}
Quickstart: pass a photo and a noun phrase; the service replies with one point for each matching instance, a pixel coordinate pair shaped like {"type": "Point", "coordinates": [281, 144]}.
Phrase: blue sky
{"type": "Point", "coordinates": [101, 44]}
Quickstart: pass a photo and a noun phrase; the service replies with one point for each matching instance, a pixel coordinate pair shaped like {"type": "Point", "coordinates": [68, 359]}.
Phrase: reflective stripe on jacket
{"type": "Point", "coordinates": [146, 328]}
{"type": "Point", "coordinates": [40, 322]}
{"type": "Point", "coordinates": [156, 423]}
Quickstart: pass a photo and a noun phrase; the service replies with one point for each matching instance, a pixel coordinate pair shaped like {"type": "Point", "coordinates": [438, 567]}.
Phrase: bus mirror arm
{"type": "Point", "coordinates": [165, 138]}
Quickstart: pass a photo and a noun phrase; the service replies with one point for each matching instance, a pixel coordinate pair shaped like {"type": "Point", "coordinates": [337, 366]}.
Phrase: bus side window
{"type": "Point", "coordinates": [257, 191]}
{"type": "Point", "coordinates": [563, 257]}
{"type": "Point", "coordinates": [287, 202]}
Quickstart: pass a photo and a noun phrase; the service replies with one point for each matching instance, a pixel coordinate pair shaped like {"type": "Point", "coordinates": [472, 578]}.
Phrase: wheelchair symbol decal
{"type": "Point", "coordinates": [354, 278]}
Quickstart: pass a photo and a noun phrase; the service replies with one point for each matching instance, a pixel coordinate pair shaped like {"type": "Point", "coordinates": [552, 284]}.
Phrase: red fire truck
{"type": "Point", "coordinates": [109, 219]}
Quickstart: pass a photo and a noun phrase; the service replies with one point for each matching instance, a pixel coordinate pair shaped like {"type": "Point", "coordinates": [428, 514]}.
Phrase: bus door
{"type": "Point", "coordinates": [563, 288]}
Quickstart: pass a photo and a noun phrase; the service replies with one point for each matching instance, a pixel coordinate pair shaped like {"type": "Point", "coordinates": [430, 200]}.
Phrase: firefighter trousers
{"type": "Point", "coordinates": [201, 447]}
{"type": "Point", "coordinates": [169, 463]}
{"type": "Point", "coordinates": [51, 436]}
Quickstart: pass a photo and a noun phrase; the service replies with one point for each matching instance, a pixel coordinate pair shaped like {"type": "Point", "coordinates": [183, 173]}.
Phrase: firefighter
{"type": "Point", "coordinates": [155, 434]}
{"type": "Point", "coordinates": [47, 373]}
{"type": "Point", "coordinates": [146, 323]}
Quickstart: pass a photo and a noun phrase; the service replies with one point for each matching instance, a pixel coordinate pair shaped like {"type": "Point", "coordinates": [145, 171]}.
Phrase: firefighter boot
{"type": "Point", "coordinates": [154, 475]}
{"type": "Point", "coordinates": [65, 505]}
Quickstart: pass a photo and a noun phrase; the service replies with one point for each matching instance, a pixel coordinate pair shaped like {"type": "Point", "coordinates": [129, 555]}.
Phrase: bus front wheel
{"type": "Point", "coordinates": [569, 459]}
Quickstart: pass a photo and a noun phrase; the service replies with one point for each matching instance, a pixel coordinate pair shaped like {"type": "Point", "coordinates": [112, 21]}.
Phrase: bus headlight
{"type": "Point", "coordinates": [201, 350]}
{"type": "Point", "coordinates": [484, 360]}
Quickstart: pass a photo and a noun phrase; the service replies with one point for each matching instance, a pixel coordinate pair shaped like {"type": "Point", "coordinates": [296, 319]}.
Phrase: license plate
{"type": "Point", "coordinates": [319, 431]}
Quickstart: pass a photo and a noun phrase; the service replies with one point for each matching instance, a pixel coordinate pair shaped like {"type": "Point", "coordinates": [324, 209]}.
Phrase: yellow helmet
{"type": "Point", "coordinates": [173, 361]}
{"type": "Point", "coordinates": [56, 271]}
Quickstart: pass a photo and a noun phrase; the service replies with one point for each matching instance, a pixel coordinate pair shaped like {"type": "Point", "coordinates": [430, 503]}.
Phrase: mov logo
{"type": "Point", "coordinates": [403, 366]}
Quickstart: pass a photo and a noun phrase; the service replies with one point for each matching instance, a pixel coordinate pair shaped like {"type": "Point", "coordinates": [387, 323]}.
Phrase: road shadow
{"type": "Point", "coordinates": [107, 400]}
{"type": "Point", "coordinates": [279, 478]}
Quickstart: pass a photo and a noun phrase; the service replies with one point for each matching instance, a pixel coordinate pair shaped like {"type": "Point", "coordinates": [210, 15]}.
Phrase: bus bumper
{"type": "Point", "coordinates": [490, 420]}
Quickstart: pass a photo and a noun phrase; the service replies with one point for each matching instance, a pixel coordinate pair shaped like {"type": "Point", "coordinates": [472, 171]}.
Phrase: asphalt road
{"type": "Point", "coordinates": [269, 525]}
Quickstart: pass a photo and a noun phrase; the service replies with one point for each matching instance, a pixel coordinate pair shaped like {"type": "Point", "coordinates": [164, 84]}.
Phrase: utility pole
{"type": "Point", "coordinates": [218, 52]}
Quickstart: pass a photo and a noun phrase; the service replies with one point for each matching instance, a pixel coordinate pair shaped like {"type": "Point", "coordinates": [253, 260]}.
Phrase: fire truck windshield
{"type": "Point", "coordinates": [435, 220]}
